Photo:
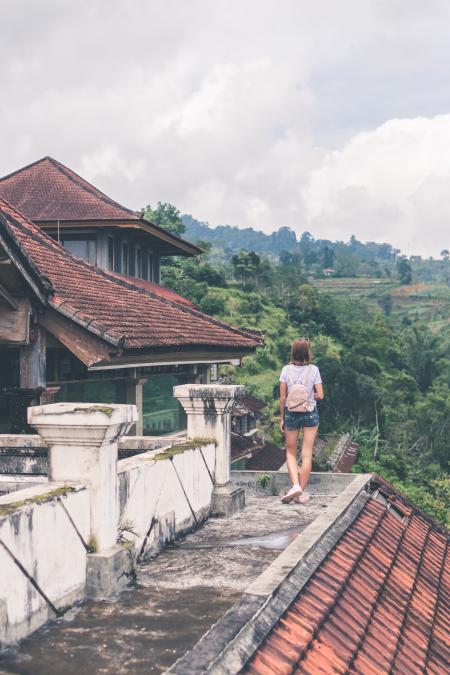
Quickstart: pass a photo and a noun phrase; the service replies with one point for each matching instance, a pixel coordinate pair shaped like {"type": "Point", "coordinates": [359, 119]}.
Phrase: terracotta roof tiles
{"type": "Point", "coordinates": [47, 190]}
{"type": "Point", "coordinates": [379, 602]}
{"type": "Point", "coordinates": [137, 315]}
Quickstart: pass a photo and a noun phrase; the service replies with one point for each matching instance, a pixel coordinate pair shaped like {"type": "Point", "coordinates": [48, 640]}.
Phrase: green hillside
{"type": "Point", "coordinates": [411, 303]}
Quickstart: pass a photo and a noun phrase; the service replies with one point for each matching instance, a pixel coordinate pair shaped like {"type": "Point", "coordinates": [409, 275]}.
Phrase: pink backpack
{"type": "Point", "coordinates": [298, 398]}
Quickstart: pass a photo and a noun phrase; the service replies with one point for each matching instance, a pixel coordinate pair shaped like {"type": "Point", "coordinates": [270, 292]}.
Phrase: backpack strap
{"type": "Point", "coordinates": [309, 372]}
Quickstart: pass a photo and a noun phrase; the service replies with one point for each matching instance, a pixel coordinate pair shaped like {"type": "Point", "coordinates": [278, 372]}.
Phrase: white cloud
{"type": "Point", "coordinates": [264, 113]}
{"type": "Point", "coordinates": [392, 184]}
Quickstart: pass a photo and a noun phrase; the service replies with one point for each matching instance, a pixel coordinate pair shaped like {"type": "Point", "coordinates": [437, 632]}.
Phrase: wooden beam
{"type": "Point", "coordinates": [80, 342]}
{"type": "Point", "coordinates": [9, 298]}
{"type": "Point", "coordinates": [33, 361]}
{"type": "Point", "coordinates": [14, 323]}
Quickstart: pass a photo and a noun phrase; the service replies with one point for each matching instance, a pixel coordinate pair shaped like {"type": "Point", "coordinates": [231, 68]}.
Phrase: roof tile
{"type": "Point", "coordinates": [118, 307]}
{"type": "Point", "coordinates": [383, 596]}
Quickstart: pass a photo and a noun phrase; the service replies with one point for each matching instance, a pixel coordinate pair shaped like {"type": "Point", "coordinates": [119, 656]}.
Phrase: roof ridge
{"type": "Point", "coordinates": [85, 185]}
{"type": "Point", "coordinates": [23, 168]}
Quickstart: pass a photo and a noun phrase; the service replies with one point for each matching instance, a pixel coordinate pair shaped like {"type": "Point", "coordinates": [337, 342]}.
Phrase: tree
{"type": "Point", "coordinates": [404, 270]}
{"type": "Point", "coordinates": [166, 216]}
{"type": "Point", "coordinates": [245, 265]}
{"type": "Point", "coordinates": [328, 257]}
{"type": "Point", "coordinates": [386, 303]}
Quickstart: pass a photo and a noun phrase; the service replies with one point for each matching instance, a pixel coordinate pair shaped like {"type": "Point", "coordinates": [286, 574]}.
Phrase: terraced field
{"type": "Point", "coordinates": [420, 302]}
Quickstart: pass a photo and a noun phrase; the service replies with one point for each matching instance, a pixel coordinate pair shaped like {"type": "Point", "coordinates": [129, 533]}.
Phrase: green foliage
{"type": "Point", "coordinates": [166, 216]}
{"type": "Point", "coordinates": [386, 380]}
{"type": "Point", "coordinates": [404, 270]}
{"type": "Point", "coordinates": [263, 481]}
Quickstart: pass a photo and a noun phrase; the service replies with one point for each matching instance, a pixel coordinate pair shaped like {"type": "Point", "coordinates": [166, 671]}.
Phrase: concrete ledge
{"type": "Point", "coordinates": [227, 500]}
{"type": "Point", "coordinates": [228, 645]}
{"type": "Point", "coordinates": [12, 483]}
{"type": "Point", "coordinates": [320, 482]}
{"type": "Point", "coordinates": [108, 572]}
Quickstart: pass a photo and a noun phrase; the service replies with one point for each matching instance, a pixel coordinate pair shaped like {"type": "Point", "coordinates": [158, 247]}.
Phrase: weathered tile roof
{"type": "Point", "coordinates": [378, 603]}
{"type": "Point", "coordinates": [121, 311]}
{"type": "Point", "coordinates": [47, 191]}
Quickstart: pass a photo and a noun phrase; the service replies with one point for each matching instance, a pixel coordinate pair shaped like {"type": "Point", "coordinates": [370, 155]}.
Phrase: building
{"type": "Point", "coordinates": [88, 223]}
{"type": "Point", "coordinates": [82, 315]}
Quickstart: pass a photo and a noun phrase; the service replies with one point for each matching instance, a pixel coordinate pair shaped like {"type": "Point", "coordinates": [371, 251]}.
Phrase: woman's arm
{"type": "Point", "coordinates": [283, 396]}
{"type": "Point", "coordinates": [318, 392]}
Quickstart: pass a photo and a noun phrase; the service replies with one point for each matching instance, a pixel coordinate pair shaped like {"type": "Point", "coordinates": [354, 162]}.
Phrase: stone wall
{"type": "Point", "coordinates": [78, 532]}
{"type": "Point", "coordinates": [164, 494]}
{"type": "Point", "coordinates": [44, 532]}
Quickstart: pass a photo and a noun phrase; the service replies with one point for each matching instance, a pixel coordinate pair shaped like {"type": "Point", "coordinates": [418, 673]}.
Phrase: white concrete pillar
{"type": "Point", "coordinates": [134, 396]}
{"type": "Point", "coordinates": [82, 439]}
{"type": "Point", "coordinates": [208, 409]}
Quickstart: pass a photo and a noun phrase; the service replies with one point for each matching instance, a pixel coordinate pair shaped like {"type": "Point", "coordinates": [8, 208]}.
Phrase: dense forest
{"type": "Point", "coordinates": [386, 374]}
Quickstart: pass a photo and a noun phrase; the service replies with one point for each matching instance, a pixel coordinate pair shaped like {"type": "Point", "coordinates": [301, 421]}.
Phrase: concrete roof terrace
{"type": "Point", "coordinates": [189, 586]}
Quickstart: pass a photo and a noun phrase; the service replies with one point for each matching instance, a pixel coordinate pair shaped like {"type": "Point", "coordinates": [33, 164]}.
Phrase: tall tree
{"type": "Point", "coordinates": [165, 215]}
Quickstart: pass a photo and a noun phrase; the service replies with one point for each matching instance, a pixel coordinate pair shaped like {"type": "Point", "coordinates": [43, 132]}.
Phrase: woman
{"type": "Point", "coordinates": [300, 370]}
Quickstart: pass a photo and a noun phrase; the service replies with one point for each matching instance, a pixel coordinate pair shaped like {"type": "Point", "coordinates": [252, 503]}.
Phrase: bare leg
{"type": "Point", "coordinates": [291, 454]}
{"type": "Point", "coordinates": [309, 434]}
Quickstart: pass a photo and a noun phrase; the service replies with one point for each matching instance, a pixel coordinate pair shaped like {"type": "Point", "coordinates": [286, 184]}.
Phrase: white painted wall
{"type": "Point", "coordinates": [35, 527]}
{"type": "Point", "coordinates": [42, 538]}
{"type": "Point", "coordinates": [150, 490]}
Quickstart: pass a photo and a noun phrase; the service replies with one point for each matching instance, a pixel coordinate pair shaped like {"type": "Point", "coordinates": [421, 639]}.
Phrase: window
{"type": "Point", "coordinates": [213, 372]}
{"type": "Point", "coordinates": [138, 268]}
{"type": "Point", "coordinates": [150, 266]}
{"type": "Point", "coordinates": [110, 253]}
{"type": "Point", "coordinates": [86, 249]}
{"type": "Point", "coordinates": [125, 258]}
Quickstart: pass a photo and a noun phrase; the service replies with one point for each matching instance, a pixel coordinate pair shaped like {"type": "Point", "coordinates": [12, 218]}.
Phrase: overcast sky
{"type": "Point", "coordinates": [332, 117]}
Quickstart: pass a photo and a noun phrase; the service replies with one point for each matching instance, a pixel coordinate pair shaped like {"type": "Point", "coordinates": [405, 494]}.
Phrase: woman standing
{"type": "Point", "coordinates": [300, 378]}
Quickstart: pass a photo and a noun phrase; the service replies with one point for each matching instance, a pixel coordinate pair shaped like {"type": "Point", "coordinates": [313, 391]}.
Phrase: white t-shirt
{"type": "Point", "coordinates": [307, 375]}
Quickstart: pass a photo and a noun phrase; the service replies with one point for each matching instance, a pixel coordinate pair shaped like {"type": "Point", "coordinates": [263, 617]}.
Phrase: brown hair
{"type": "Point", "coordinates": [301, 352]}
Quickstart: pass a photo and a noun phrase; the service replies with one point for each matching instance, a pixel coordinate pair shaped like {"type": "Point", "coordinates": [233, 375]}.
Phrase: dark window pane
{"type": "Point", "coordinates": [110, 253]}
{"type": "Point", "coordinates": [125, 258]}
{"type": "Point", "coordinates": [150, 267]}
{"type": "Point", "coordinates": [138, 270]}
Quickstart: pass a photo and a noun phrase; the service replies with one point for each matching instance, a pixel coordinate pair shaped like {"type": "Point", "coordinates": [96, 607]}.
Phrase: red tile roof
{"type": "Point", "coordinates": [48, 191]}
{"type": "Point", "coordinates": [378, 603]}
{"type": "Point", "coordinates": [120, 310]}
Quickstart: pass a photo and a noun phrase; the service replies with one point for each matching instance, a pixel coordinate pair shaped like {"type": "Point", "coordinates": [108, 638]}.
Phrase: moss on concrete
{"type": "Point", "coordinates": [7, 509]}
{"type": "Point", "coordinates": [100, 408]}
{"type": "Point", "coordinates": [92, 545]}
{"type": "Point", "coordinates": [178, 449]}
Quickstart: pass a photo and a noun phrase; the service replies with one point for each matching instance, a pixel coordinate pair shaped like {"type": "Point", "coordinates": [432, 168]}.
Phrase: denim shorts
{"type": "Point", "coordinates": [297, 420]}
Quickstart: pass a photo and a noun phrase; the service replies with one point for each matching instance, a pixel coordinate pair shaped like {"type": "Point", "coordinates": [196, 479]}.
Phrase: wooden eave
{"type": "Point", "coordinates": [169, 243]}
{"type": "Point", "coordinates": [88, 348]}
{"type": "Point", "coordinates": [176, 355]}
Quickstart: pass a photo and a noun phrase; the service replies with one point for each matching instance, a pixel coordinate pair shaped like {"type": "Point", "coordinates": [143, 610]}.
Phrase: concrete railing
{"type": "Point", "coordinates": [79, 534]}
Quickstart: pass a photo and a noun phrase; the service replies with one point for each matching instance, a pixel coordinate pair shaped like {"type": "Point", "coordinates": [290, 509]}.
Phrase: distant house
{"type": "Point", "coordinates": [82, 315]}
{"type": "Point", "coordinates": [246, 413]}
{"type": "Point", "coordinates": [328, 272]}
